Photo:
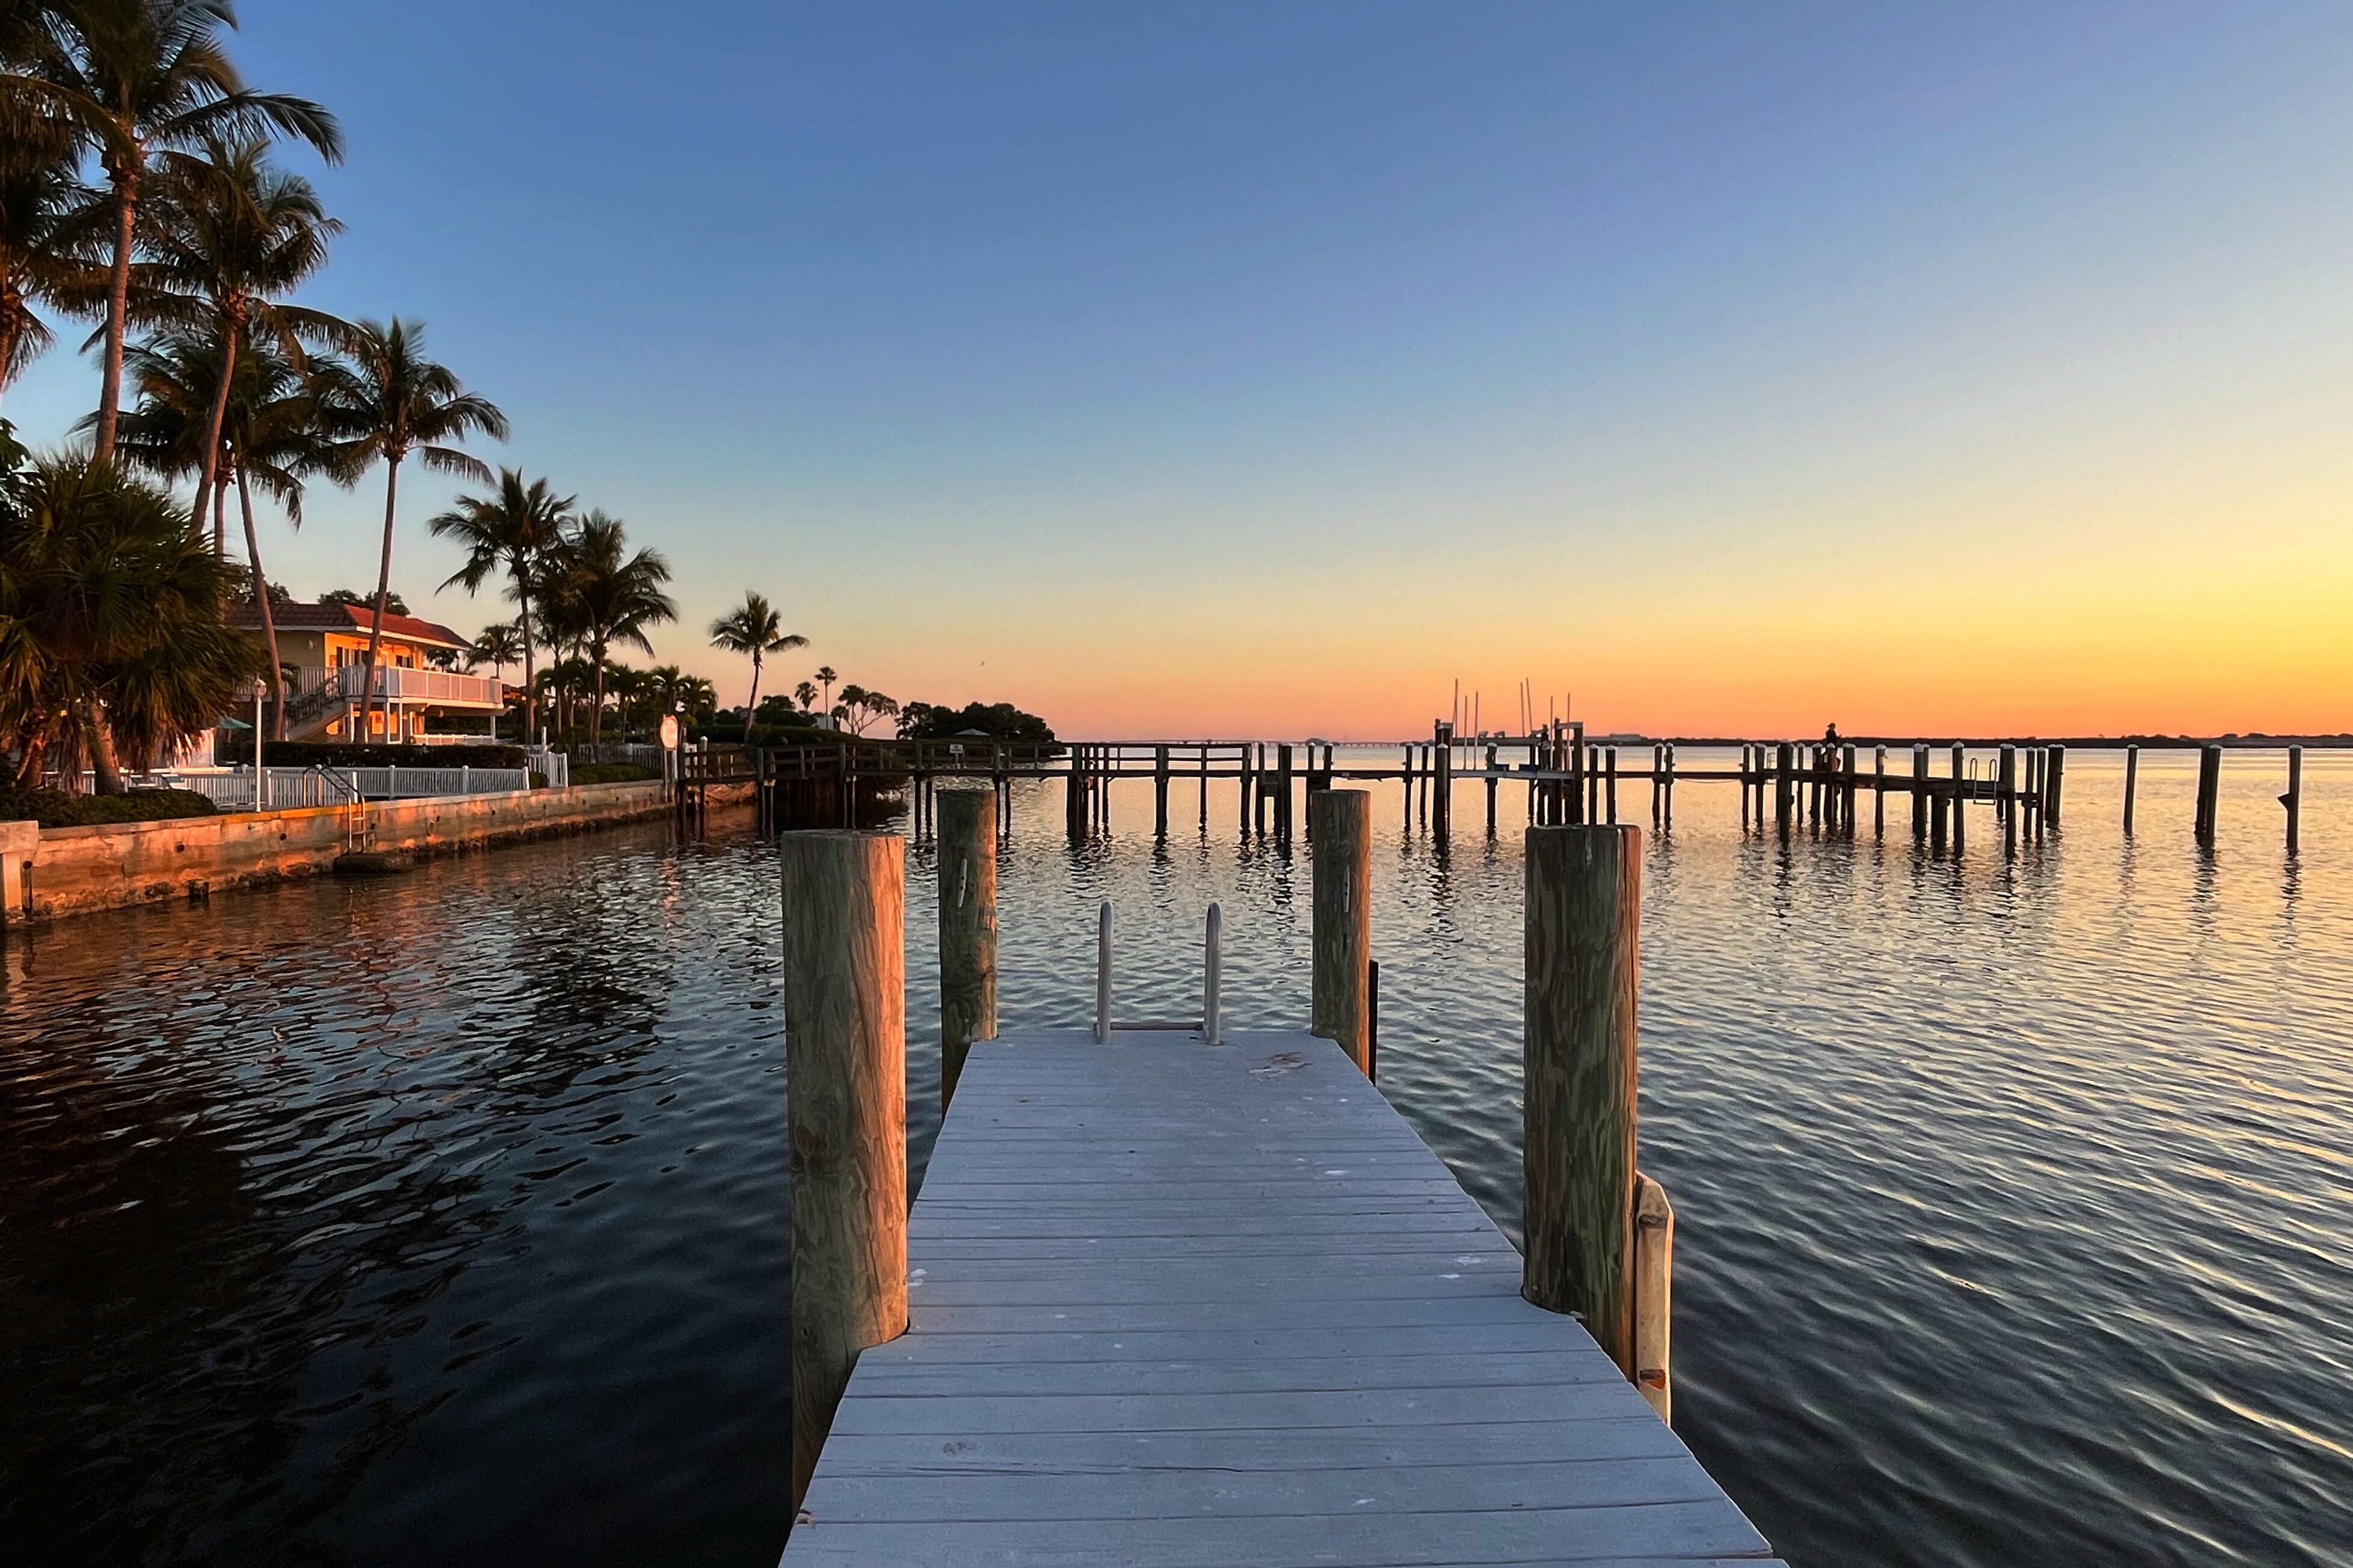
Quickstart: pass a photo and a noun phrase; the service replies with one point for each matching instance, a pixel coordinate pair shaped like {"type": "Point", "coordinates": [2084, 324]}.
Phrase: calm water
{"type": "Point", "coordinates": [441, 1219]}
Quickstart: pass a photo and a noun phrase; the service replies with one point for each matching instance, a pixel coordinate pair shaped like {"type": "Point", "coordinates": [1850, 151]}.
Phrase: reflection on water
{"type": "Point", "coordinates": [442, 1220]}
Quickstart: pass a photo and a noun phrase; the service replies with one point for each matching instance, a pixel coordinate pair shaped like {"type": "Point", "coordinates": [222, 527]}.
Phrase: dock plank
{"type": "Point", "coordinates": [1205, 1307]}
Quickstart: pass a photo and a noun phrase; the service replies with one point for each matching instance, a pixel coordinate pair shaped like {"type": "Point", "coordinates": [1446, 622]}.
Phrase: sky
{"type": "Point", "coordinates": [1256, 370]}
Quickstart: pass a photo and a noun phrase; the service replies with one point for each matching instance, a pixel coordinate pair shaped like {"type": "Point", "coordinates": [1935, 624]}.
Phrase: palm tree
{"type": "Point", "coordinates": [110, 636]}
{"type": "Point", "coordinates": [43, 230]}
{"type": "Point", "coordinates": [614, 596]}
{"type": "Point", "coordinates": [805, 695]}
{"type": "Point", "coordinates": [273, 440]}
{"type": "Point", "coordinates": [133, 77]}
{"type": "Point", "coordinates": [389, 402]}
{"type": "Point", "coordinates": [513, 529]}
{"type": "Point", "coordinates": [826, 677]}
{"type": "Point", "coordinates": [269, 439]}
{"type": "Point", "coordinates": [498, 647]}
{"type": "Point", "coordinates": [755, 627]}
{"type": "Point", "coordinates": [230, 235]}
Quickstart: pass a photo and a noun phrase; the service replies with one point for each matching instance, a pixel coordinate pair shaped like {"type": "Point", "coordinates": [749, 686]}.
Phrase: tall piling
{"type": "Point", "coordinates": [966, 820]}
{"type": "Point", "coordinates": [844, 972]}
{"type": "Point", "coordinates": [1582, 975]}
{"type": "Point", "coordinates": [2210, 789]}
{"type": "Point", "coordinates": [1339, 1006]}
{"type": "Point", "coordinates": [2294, 799]}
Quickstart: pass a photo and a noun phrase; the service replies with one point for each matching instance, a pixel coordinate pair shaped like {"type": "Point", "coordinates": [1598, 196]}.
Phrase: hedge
{"type": "Point", "coordinates": [317, 754]}
{"type": "Point", "coordinates": [612, 772]}
{"type": "Point", "coordinates": [55, 809]}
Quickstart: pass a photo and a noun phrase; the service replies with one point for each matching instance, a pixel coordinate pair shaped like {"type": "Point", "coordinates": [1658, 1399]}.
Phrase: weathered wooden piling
{"type": "Point", "coordinates": [2210, 788]}
{"type": "Point", "coordinates": [2054, 782]}
{"type": "Point", "coordinates": [967, 899]}
{"type": "Point", "coordinates": [1159, 791]}
{"type": "Point", "coordinates": [1338, 1010]}
{"type": "Point", "coordinates": [1784, 759]}
{"type": "Point", "coordinates": [2132, 777]}
{"type": "Point", "coordinates": [844, 972]}
{"type": "Point", "coordinates": [1441, 786]}
{"type": "Point", "coordinates": [1610, 760]}
{"type": "Point", "coordinates": [2294, 799]}
{"type": "Point", "coordinates": [1960, 796]}
{"type": "Point", "coordinates": [1667, 811]}
{"type": "Point", "coordinates": [1655, 1273]}
{"type": "Point", "coordinates": [1285, 799]}
{"type": "Point", "coordinates": [1491, 789]}
{"type": "Point", "coordinates": [1919, 793]}
{"type": "Point", "coordinates": [1582, 975]}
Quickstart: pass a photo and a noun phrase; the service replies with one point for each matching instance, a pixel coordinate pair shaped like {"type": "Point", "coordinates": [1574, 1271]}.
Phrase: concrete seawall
{"type": "Point", "coordinates": [76, 870]}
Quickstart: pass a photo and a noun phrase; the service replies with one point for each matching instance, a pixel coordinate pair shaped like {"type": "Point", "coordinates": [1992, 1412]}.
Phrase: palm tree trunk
{"type": "Point", "coordinates": [117, 306]}
{"type": "Point", "coordinates": [382, 591]}
{"type": "Point", "coordinates": [596, 714]}
{"type": "Point", "coordinates": [269, 620]}
{"type": "Point", "coordinates": [213, 436]}
{"type": "Point", "coordinates": [12, 307]}
{"type": "Point", "coordinates": [102, 751]}
{"type": "Point", "coordinates": [752, 705]}
{"type": "Point", "coordinates": [530, 680]}
{"type": "Point", "coordinates": [220, 520]}
{"type": "Point", "coordinates": [28, 771]}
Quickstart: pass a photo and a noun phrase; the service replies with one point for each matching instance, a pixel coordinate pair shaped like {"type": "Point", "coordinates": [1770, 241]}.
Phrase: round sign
{"type": "Point", "coordinates": [669, 732]}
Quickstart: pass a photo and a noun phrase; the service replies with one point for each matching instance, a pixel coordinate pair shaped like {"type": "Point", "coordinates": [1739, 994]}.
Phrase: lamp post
{"type": "Point", "coordinates": [260, 773]}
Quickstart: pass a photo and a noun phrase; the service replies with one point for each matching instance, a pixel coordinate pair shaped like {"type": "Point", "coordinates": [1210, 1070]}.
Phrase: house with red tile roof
{"type": "Point", "coordinates": [321, 657]}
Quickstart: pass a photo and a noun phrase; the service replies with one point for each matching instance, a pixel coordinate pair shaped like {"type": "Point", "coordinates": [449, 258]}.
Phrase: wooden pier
{"type": "Point", "coordinates": [1178, 1297]}
{"type": "Point", "coordinates": [1786, 787]}
{"type": "Point", "coordinates": [1173, 1303]}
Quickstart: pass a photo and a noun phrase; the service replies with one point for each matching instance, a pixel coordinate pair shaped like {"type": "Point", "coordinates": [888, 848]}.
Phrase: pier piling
{"type": "Point", "coordinates": [2132, 777]}
{"type": "Point", "coordinates": [2209, 786]}
{"type": "Point", "coordinates": [844, 971]}
{"type": "Point", "coordinates": [1582, 979]}
{"type": "Point", "coordinates": [1341, 822]}
{"type": "Point", "coordinates": [966, 825]}
{"type": "Point", "coordinates": [2294, 798]}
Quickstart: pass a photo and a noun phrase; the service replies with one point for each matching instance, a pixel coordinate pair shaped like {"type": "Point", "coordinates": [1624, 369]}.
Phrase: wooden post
{"type": "Point", "coordinates": [2054, 782]}
{"type": "Point", "coordinates": [1919, 793]}
{"type": "Point", "coordinates": [1582, 975]}
{"type": "Point", "coordinates": [1960, 796]}
{"type": "Point", "coordinates": [2006, 799]}
{"type": "Point", "coordinates": [1784, 787]}
{"type": "Point", "coordinates": [1213, 977]}
{"type": "Point", "coordinates": [1103, 973]}
{"type": "Point", "coordinates": [1441, 786]}
{"type": "Point", "coordinates": [1282, 808]}
{"type": "Point", "coordinates": [2210, 788]}
{"type": "Point", "coordinates": [1611, 762]}
{"type": "Point", "coordinates": [1747, 777]}
{"type": "Point", "coordinates": [1159, 791]}
{"type": "Point", "coordinates": [1373, 1019]}
{"type": "Point", "coordinates": [1667, 800]}
{"type": "Point", "coordinates": [967, 898]}
{"type": "Point", "coordinates": [1654, 1273]}
{"type": "Point", "coordinates": [2294, 798]}
{"type": "Point", "coordinates": [844, 974]}
{"type": "Point", "coordinates": [2132, 777]}
{"type": "Point", "coordinates": [1342, 833]}
{"type": "Point", "coordinates": [1847, 793]}
{"type": "Point", "coordinates": [1491, 791]}
{"type": "Point", "coordinates": [1879, 793]}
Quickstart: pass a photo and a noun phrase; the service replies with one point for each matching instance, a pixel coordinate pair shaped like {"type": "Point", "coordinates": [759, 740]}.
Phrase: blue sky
{"type": "Point", "coordinates": [1208, 368]}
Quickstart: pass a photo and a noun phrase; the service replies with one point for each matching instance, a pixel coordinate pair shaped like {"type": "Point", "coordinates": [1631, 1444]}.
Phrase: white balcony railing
{"type": "Point", "coordinates": [392, 682]}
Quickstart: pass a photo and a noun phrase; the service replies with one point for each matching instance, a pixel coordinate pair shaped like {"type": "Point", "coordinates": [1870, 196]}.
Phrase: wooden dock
{"type": "Point", "coordinates": [1181, 1303]}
